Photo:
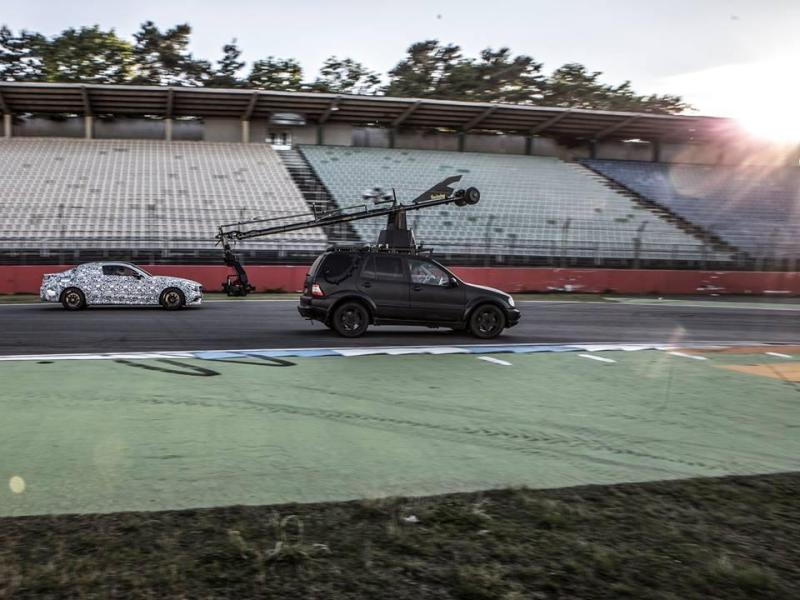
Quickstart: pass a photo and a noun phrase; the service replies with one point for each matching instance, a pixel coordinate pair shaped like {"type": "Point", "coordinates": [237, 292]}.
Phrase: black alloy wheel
{"type": "Point", "coordinates": [487, 321]}
{"type": "Point", "coordinates": [350, 320]}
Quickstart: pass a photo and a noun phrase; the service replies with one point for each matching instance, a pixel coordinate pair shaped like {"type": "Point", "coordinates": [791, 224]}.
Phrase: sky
{"type": "Point", "coordinates": [709, 51]}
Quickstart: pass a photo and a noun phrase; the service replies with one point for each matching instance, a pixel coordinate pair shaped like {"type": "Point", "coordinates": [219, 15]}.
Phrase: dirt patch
{"type": "Point", "coordinates": [744, 350]}
{"type": "Point", "coordinates": [787, 371]}
{"type": "Point", "coordinates": [735, 537]}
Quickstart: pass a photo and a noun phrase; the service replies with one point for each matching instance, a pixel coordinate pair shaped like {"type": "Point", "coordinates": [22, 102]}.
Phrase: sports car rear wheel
{"type": "Point", "coordinates": [172, 299]}
{"type": "Point", "coordinates": [73, 299]}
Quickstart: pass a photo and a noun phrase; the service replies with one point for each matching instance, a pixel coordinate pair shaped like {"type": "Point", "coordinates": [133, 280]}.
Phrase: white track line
{"type": "Point", "coordinates": [495, 361]}
{"type": "Point", "coordinates": [779, 354]}
{"type": "Point", "coordinates": [600, 358]}
{"type": "Point", "coordinates": [692, 356]}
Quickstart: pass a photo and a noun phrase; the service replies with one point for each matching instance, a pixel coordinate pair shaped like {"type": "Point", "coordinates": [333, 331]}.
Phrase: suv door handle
{"type": "Point", "coordinates": [417, 287]}
{"type": "Point", "coordinates": [367, 284]}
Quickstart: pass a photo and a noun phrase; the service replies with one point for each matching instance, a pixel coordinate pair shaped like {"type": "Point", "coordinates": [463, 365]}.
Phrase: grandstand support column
{"type": "Point", "coordinates": [462, 138]}
{"type": "Point", "coordinates": [88, 127]}
{"type": "Point", "coordinates": [6, 125]}
{"type": "Point", "coordinates": [245, 132]}
{"type": "Point", "coordinates": [656, 144]}
{"type": "Point", "coordinates": [320, 135]}
{"type": "Point", "coordinates": [528, 145]}
{"type": "Point", "coordinates": [391, 137]}
{"type": "Point", "coordinates": [168, 129]}
{"type": "Point", "coordinates": [592, 149]}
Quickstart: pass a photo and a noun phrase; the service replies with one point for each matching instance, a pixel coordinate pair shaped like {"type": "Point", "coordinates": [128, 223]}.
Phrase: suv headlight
{"type": "Point", "coordinates": [511, 301]}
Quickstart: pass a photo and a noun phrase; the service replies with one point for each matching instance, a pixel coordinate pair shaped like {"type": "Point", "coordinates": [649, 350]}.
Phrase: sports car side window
{"type": "Point", "coordinates": [111, 269]}
{"type": "Point", "coordinates": [119, 271]}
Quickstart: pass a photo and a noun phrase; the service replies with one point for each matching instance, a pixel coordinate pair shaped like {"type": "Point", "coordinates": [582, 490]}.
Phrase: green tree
{"type": "Point", "coordinates": [21, 55]}
{"type": "Point", "coordinates": [87, 55]}
{"type": "Point", "coordinates": [227, 73]}
{"type": "Point", "coordinates": [426, 71]}
{"type": "Point", "coordinates": [497, 77]}
{"type": "Point", "coordinates": [346, 76]}
{"type": "Point", "coordinates": [163, 58]}
{"type": "Point", "coordinates": [273, 73]}
{"type": "Point", "coordinates": [573, 85]}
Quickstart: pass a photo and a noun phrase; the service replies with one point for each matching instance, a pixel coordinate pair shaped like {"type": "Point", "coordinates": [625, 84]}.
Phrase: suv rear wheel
{"type": "Point", "coordinates": [487, 321]}
{"type": "Point", "coordinates": [350, 319]}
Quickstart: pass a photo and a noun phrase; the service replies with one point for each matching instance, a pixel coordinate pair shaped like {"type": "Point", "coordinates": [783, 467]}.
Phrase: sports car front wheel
{"type": "Point", "coordinates": [172, 299]}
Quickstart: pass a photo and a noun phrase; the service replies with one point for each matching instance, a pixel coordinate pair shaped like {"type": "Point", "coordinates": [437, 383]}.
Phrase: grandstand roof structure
{"type": "Point", "coordinates": [384, 111]}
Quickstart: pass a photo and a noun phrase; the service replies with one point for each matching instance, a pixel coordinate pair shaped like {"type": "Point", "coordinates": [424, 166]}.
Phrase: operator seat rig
{"type": "Point", "coordinates": [396, 237]}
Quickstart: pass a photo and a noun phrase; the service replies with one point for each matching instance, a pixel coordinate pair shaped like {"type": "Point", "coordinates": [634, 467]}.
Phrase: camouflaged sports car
{"type": "Point", "coordinates": [118, 283]}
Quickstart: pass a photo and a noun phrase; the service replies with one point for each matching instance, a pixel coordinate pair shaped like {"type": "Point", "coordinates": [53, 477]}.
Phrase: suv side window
{"type": "Point", "coordinates": [389, 268]}
{"type": "Point", "coordinates": [425, 273]}
{"type": "Point", "coordinates": [337, 267]}
{"type": "Point", "coordinates": [368, 272]}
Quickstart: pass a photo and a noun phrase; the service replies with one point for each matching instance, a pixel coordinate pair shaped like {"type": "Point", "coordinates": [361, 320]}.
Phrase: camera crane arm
{"type": "Point", "coordinates": [396, 234]}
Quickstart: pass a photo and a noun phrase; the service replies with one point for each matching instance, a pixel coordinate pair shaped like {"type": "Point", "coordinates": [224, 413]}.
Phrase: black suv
{"type": "Point", "coordinates": [347, 289]}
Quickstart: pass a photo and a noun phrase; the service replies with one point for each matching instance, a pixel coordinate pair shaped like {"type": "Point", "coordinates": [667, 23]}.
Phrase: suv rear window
{"type": "Point", "coordinates": [315, 265]}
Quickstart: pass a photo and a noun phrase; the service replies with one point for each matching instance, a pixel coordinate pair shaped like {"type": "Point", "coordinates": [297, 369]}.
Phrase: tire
{"type": "Point", "coordinates": [350, 320]}
{"type": "Point", "coordinates": [487, 321]}
{"type": "Point", "coordinates": [172, 299]}
{"type": "Point", "coordinates": [73, 299]}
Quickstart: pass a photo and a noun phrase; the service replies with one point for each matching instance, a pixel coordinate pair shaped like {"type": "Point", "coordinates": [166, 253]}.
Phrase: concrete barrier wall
{"type": "Point", "coordinates": [27, 279]}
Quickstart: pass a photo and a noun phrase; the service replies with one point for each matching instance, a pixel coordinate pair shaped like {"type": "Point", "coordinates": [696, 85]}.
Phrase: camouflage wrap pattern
{"type": "Point", "coordinates": [99, 288]}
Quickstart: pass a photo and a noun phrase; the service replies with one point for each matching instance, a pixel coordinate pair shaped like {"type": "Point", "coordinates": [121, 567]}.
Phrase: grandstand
{"type": "Point", "coordinates": [550, 194]}
{"type": "Point", "coordinates": [68, 194]}
{"type": "Point", "coordinates": [755, 208]}
{"type": "Point", "coordinates": [531, 206]}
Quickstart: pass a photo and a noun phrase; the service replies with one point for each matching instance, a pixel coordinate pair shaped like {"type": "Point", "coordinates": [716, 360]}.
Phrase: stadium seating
{"type": "Point", "coordinates": [61, 193]}
{"type": "Point", "coordinates": [530, 205]}
{"type": "Point", "coordinates": [754, 208]}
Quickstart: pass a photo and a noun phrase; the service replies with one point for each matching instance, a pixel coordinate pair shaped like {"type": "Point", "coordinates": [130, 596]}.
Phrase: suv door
{"type": "Point", "coordinates": [384, 279]}
{"type": "Point", "coordinates": [433, 298]}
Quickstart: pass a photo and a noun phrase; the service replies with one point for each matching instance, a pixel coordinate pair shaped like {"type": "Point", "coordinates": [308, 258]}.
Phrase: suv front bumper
{"type": "Point", "coordinates": [512, 316]}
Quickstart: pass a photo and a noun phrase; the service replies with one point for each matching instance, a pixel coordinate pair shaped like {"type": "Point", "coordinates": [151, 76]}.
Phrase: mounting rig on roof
{"type": "Point", "coordinates": [396, 237]}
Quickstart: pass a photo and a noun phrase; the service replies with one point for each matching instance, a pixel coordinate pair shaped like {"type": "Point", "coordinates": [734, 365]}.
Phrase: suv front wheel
{"type": "Point", "coordinates": [350, 319]}
{"type": "Point", "coordinates": [487, 321]}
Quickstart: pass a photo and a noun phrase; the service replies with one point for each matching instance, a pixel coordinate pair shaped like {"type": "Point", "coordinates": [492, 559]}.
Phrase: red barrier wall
{"type": "Point", "coordinates": [27, 279]}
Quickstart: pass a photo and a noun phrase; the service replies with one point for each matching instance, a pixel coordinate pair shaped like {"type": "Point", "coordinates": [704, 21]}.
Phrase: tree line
{"type": "Point", "coordinates": [429, 69]}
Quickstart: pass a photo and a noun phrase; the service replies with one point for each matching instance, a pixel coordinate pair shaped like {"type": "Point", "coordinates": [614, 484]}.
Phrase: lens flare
{"type": "Point", "coordinates": [17, 484]}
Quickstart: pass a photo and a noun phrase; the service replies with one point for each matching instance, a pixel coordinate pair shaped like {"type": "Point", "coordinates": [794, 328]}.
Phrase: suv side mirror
{"type": "Point", "coordinates": [453, 282]}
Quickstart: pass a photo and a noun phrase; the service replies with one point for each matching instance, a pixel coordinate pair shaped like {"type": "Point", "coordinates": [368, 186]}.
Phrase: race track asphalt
{"type": "Point", "coordinates": [250, 324]}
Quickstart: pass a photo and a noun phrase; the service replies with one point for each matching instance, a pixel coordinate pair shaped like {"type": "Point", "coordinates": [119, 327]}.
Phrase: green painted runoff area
{"type": "Point", "coordinates": [81, 436]}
